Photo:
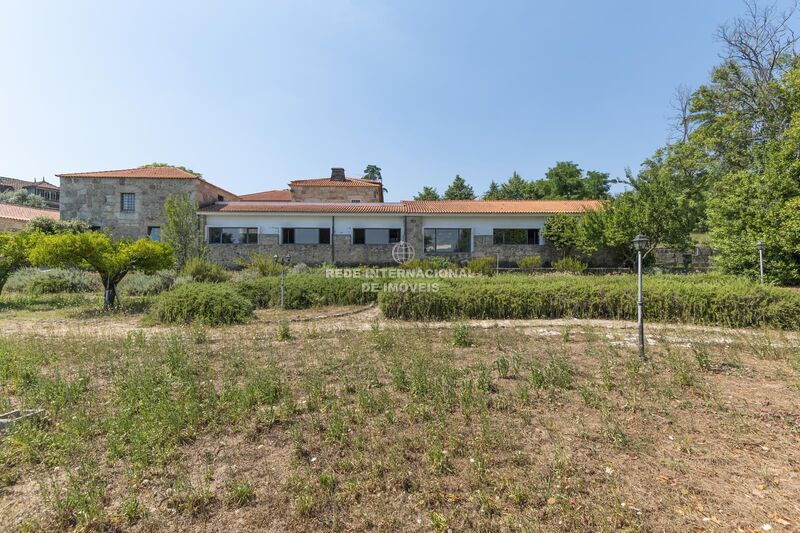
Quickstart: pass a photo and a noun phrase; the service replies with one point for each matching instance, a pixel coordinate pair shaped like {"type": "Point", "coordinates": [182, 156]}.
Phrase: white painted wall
{"type": "Point", "coordinates": [271, 224]}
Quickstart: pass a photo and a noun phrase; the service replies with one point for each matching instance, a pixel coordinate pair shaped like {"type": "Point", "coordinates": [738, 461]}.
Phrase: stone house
{"type": "Point", "coordinates": [43, 189]}
{"type": "Point", "coordinates": [130, 202]}
{"type": "Point", "coordinates": [337, 219]}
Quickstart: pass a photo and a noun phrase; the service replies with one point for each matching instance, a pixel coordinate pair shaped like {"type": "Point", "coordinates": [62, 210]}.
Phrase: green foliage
{"type": "Point", "coordinates": [262, 265]}
{"type": "Point", "coordinates": [569, 264]}
{"type": "Point", "coordinates": [483, 265]}
{"type": "Point", "coordinates": [51, 226]}
{"type": "Point", "coordinates": [430, 263]}
{"type": "Point", "coordinates": [303, 291]}
{"type": "Point", "coordinates": [141, 284]}
{"type": "Point", "coordinates": [373, 173]}
{"type": "Point", "coordinates": [530, 263]}
{"type": "Point", "coordinates": [35, 281]}
{"type": "Point", "coordinates": [462, 336]}
{"type": "Point", "coordinates": [428, 193]}
{"type": "Point", "coordinates": [211, 303]}
{"type": "Point", "coordinates": [14, 249]}
{"type": "Point", "coordinates": [22, 197]}
{"type": "Point", "coordinates": [564, 180]}
{"type": "Point", "coordinates": [561, 232]}
{"type": "Point", "coordinates": [111, 259]}
{"type": "Point", "coordinates": [183, 229]}
{"type": "Point", "coordinates": [701, 299]}
{"type": "Point", "coordinates": [205, 271]}
{"type": "Point", "coordinates": [459, 190]}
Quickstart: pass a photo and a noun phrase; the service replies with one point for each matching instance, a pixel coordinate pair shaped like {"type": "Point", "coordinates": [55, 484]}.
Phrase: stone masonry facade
{"type": "Point", "coordinates": [310, 193]}
{"type": "Point", "coordinates": [98, 201]}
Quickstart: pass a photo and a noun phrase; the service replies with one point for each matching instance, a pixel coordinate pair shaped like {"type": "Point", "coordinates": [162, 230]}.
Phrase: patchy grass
{"type": "Point", "coordinates": [413, 428]}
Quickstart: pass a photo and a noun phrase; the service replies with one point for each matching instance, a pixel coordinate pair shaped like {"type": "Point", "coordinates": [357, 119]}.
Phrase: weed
{"type": "Point", "coordinates": [462, 336]}
{"type": "Point", "coordinates": [239, 493]}
{"type": "Point", "coordinates": [503, 367]}
{"type": "Point", "coordinates": [284, 333]}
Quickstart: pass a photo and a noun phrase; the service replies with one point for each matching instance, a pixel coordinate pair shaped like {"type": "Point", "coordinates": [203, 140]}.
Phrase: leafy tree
{"type": "Point", "coordinates": [459, 190]}
{"type": "Point", "coordinates": [596, 185]}
{"type": "Point", "coordinates": [22, 197]}
{"type": "Point", "coordinates": [516, 188]}
{"type": "Point", "coordinates": [493, 192]}
{"type": "Point", "coordinates": [185, 169]}
{"type": "Point", "coordinates": [183, 229]}
{"type": "Point", "coordinates": [50, 226]}
{"type": "Point", "coordinates": [561, 232]}
{"type": "Point", "coordinates": [373, 172]}
{"type": "Point", "coordinates": [14, 248]}
{"type": "Point", "coordinates": [564, 180]}
{"type": "Point", "coordinates": [428, 193]}
{"type": "Point", "coordinates": [112, 259]}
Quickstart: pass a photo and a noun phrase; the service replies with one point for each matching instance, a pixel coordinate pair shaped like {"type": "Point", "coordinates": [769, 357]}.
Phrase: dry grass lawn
{"type": "Point", "coordinates": [351, 423]}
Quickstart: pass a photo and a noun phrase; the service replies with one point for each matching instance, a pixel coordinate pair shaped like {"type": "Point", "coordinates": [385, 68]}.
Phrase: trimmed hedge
{"type": "Point", "coordinates": [306, 290]}
{"type": "Point", "coordinates": [700, 299]}
{"type": "Point", "coordinates": [210, 303]}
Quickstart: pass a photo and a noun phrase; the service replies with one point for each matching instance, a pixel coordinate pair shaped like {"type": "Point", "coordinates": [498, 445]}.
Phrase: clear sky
{"type": "Point", "coordinates": [253, 94]}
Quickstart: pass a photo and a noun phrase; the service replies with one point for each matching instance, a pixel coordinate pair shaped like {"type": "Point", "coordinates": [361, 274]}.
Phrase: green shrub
{"type": "Point", "coordinates": [483, 265]}
{"type": "Point", "coordinates": [431, 263]}
{"type": "Point", "coordinates": [205, 271]}
{"type": "Point", "coordinates": [529, 264]}
{"type": "Point", "coordinates": [305, 290]}
{"type": "Point", "coordinates": [262, 265]}
{"type": "Point", "coordinates": [569, 264]}
{"type": "Point", "coordinates": [700, 299]}
{"type": "Point", "coordinates": [210, 303]}
{"type": "Point", "coordinates": [141, 284]}
{"type": "Point", "coordinates": [56, 280]}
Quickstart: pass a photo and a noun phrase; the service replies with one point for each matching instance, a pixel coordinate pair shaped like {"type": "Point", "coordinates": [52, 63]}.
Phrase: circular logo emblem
{"type": "Point", "coordinates": [402, 252]}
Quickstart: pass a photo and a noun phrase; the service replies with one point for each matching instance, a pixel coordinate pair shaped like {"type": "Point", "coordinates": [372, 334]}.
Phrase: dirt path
{"type": "Point", "coordinates": [363, 318]}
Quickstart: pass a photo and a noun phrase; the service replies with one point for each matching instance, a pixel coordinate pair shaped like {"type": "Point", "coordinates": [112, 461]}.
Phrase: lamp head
{"type": "Point", "coordinates": [760, 245]}
{"type": "Point", "coordinates": [640, 243]}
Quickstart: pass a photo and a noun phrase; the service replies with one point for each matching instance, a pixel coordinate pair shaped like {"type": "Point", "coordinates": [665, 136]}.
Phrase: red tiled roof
{"type": "Point", "coordinates": [283, 195]}
{"type": "Point", "coordinates": [473, 207]}
{"type": "Point", "coordinates": [501, 206]}
{"type": "Point", "coordinates": [21, 212]}
{"type": "Point", "coordinates": [328, 182]}
{"type": "Point", "coordinates": [138, 172]}
{"type": "Point", "coordinates": [18, 184]}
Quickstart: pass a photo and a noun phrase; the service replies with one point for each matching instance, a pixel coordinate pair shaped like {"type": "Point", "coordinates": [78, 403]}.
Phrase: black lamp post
{"type": "Point", "coordinates": [760, 245]}
{"type": "Point", "coordinates": [284, 260]}
{"type": "Point", "coordinates": [640, 244]}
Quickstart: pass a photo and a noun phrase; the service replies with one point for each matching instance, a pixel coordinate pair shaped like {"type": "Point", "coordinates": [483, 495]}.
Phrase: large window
{"type": "Point", "coordinates": [233, 235]}
{"type": "Point", "coordinates": [306, 235]}
{"type": "Point", "coordinates": [127, 202]}
{"type": "Point", "coordinates": [376, 236]}
{"type": "Point", "coordinates": [516, 236]}
{"type": "Point", "coordinates": [154, 233]}
{"type": "Point", "coordinates": [448, 241]}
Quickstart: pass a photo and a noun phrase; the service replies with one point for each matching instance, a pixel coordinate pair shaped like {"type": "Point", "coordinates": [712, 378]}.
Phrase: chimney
{"type": "Point", "coordinates": [337, 174]}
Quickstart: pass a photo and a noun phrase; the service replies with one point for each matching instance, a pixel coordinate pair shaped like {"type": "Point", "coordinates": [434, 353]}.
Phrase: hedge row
{"type": "Point", "coordinates": [210, 303]}
{"type": "Point", "coordinates": [702, 299]}
{"type": "Point", "coordinates": [304, 290]}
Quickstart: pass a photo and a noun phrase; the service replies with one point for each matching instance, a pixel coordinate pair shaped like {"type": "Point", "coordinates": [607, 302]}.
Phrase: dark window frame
{"type": "Point", "coordinates": [433, 250]}
{"type": "Point", "coordinates": [124, 206]}
{"type": "Point", "coordinates": [531, 237]}
{"type": "Point", "coordinates": [245, 231]}
{"type": "Point", "coordinates": [361, 240]}
{"type": "Point", "coordinates": [323, 236]}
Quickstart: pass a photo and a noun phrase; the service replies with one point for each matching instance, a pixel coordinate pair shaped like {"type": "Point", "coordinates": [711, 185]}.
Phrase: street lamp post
{"type": "Point", "coordinates": [760, 245]}
{"type": "Point", "coordinates": [284, 260]}
{"type": "Point", "coordinates": [640, 243]}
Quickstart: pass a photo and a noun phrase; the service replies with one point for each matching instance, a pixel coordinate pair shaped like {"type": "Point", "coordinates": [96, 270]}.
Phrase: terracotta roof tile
{"type": "Point", "coordinates": [18, 184]}
{"type": "Point", "coordinates": [474, 207]}
{"type": "Point", "coordinates": [139, 172]}
{"type": "Point", "coordinates": [21, 212]}
{"type": "Point", "coordinates": [328, 182]}
{"type": "Point", "coordinates": [283, 195]}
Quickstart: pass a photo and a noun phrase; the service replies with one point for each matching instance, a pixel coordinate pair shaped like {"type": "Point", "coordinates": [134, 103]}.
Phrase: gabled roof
{"type": "Point", "coordinates": [455, 207]}
{"type": "Point", "coordinates": [158, 172]}
{"type": "Point", "coordinates": [328, 182]}
{"type": "Point", "coordinates": [17, 183]}
{"type": "Point", "coordinates": [21, 212]}
{"type": "Point", "coordinates": [283, 195]}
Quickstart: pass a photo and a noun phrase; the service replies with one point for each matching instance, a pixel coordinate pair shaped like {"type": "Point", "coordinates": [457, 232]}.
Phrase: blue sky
{"type": "Point", "coordinates": [253, 94]}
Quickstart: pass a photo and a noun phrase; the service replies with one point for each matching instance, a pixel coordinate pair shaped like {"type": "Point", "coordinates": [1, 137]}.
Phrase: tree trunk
{"type": "Point", "coordinates": [109, 295]}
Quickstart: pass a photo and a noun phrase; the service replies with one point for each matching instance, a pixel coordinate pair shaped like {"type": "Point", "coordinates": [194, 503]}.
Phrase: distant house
{"type": "Point", "coordinates": [338, 219]}
{"type": "Point", "coordinates": [15, 217]}
{"type": "Point", "coordinates": [47, 191]}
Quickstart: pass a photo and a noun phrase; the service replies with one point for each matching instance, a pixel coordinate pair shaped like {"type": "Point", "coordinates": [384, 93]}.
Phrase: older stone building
{"type": "Point", "coordinates": [130, 202]}
{"type": "Point", "coordinates": [337, 188]}
{"type": "Point", "coordinates": [48, 192]}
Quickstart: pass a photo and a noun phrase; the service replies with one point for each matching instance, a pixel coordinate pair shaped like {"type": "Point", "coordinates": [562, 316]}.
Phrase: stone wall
{"type": "Point", "coordinates": [97, 200]}
{"type": "Point", "coordinates": [9, 224]}
{"type": "Point", "coordinates": [335, 194]}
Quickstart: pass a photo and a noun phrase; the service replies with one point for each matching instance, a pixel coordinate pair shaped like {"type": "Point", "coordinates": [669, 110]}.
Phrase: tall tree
{"type": "Point", "coordinates": [596, 185]}
{"type": "Point", "coordinates": [459, 190]}
{"type": "Point", "coordinates": [564, 180]}
{"type": "Point", "coordinates": [111, 259]}
{"type": "Point", "coordinates": [427, 193]}
{"type": "Point", "coordinates": [373, 173]}
{"type": "Point", "coordinates": [561, 232]}
{"type": "Point", "coordinates": [516, 188]}
{"type": "Point", "coordinates": [183, 229]}
{"type": "Point", "coordinates": [493, 192]}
